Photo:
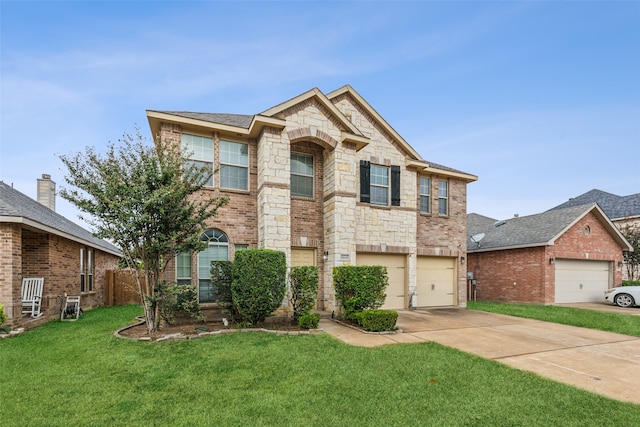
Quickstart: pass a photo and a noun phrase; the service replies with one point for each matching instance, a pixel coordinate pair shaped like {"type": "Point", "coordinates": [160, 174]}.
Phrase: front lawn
{"type": "Point", "coordinates": [79, 374]}
{"type": "Point", "coordinates": [592, 319]}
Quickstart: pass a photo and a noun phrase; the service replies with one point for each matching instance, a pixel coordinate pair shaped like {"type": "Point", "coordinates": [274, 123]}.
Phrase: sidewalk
{"type": "Point", "coordinates": [597, 361]}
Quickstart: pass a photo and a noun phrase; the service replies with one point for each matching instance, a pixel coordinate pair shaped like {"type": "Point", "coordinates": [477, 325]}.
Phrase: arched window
{"type": "Point", "coordinates": [217, 250]}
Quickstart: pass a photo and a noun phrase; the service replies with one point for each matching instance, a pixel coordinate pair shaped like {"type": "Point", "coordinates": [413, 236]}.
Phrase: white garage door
{"type": "Point", "coordinates": [435, 282]}
{"type": "Point", "coordinates": [396, 291]}
{"type": "Point", "coordinates": [581, 280]}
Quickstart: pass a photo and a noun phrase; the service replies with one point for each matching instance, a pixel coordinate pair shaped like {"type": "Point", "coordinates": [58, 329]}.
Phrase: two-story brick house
{"type": "Point", "coordinates": [324, 178]}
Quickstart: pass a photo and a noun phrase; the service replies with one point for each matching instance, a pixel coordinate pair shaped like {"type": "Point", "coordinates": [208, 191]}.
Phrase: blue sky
{"type": "Point", "coordinates": [540, 100]}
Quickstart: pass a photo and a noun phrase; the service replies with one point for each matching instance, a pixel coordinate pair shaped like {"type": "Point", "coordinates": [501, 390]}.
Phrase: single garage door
{"type": "Point", "coordinates": [396, 291]}
{"type": "Point", "coordinates": [302, 256]}
{"type": "Point", "coordinates": [581, 280]}
{"type": "Point", "coordinates": [435, 282]}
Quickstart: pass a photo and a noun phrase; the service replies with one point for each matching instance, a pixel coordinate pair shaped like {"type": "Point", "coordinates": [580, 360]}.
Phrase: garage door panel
{"type": "Point", "coordinates": [435, 282]}
{"type": "Point", "coordinates": [396, 273]}
{"type": "Point", "coordinates": [580, 280]}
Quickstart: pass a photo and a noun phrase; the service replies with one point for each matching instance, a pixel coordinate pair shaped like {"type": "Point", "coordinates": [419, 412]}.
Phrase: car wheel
{"type": "Point", "coordinates": [624, 300]}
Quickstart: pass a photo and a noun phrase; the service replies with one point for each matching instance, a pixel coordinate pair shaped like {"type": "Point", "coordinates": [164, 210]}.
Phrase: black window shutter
{"type": "Point", "coordinates": [365, 181]}
{"type": "Point", "coordinates": [395, 185]}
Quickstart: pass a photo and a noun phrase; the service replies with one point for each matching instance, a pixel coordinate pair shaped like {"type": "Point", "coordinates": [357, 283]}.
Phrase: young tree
{"type": "Point", "coordinates": [139, 196]}
{"type": "Point", "coordinates": [632, 259]}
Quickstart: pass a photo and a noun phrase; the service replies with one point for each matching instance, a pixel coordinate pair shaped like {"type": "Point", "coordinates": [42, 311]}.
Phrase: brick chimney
{"type": "Point", "coordinates": [47, 191]}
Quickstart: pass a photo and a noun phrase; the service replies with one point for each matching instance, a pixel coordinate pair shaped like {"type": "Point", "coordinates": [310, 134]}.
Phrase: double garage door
{"type": "Point", "coordinates": [435, 281]}
{"type": "Point", "coordinates": [581, 280]}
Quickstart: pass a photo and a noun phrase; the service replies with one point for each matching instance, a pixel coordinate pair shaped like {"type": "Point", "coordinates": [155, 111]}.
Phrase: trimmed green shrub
{"type": "Point", "coordinates": [378, 320]}
{"type": "Point", "coordinates": [309, 321]}
{"type": "Point", "coordinates": [360, 287]}
{"type": "Point", "coordinates": [173, 298]}
{"type": "Point", "coordinates": [259, 283]}
{"type": "Point", "coordinates": [221, 279]}
{"type": "Point", "coordinates": [3, 318]}
{"type": "Point", "coordinates": [303, 290]}
{"type": "Point", "coordinates": [631, 283]}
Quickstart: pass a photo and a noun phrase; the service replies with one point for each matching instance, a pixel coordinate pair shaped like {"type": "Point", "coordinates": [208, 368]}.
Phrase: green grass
{"type": "Point", "coordinates": [592, 319]}
{"type": "Point", "coordinates": [79, 374]}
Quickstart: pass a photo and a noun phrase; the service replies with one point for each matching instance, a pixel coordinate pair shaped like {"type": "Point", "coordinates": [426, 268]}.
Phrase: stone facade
{"type": "Point", "coordinates": [339, 130]}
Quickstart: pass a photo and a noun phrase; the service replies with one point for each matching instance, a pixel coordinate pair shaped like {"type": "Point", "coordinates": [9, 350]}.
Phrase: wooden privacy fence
{"type": "Point", "coordinates": [122, 288]}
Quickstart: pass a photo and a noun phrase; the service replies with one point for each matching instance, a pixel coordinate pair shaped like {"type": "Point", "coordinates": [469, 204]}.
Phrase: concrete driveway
{"type": "Point", "coordinates": [600, 362]}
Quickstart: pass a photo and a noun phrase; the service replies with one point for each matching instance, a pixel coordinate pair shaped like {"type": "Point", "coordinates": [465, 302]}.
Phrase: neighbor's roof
{"type": "Point", "coordinates": [616, 207]}
{"type": "Point", "coordinates": [533, 230]}
{"type": "Point", "coordinates": [17, 207]}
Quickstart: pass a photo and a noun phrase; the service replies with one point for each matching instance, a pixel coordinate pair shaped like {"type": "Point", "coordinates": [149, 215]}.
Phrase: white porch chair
{"type": "Point", "coordinates": [32, 296]}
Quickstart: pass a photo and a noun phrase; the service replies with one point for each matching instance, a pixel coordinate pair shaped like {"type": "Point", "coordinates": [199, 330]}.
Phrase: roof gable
{"type": "Point", "coordinates": [18, 207]}
{"type": "Point", "coordinates": [534, 230]}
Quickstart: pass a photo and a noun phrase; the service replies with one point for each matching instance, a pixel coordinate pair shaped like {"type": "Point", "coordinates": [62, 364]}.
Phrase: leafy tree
{"type": "Point", "coordinates": [140, 197]}
{"type": "Point", "coordinates": [632, 259]}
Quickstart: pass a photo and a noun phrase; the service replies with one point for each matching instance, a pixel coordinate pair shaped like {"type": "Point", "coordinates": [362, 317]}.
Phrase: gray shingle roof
{"type": "Point", "coordinates": [533, 230]}
{"type": "Point", "coordinates": [616, 207]}
{"type": "Point", "coordinates": [18, 205]}
{"type": "Point", "coordinates": [238, 120]}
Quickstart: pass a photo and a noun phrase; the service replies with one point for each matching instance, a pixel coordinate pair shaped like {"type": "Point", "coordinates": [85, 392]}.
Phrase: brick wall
{"type": "Point", "coordinates": [55, 258]}
{"type": "Point", "coordinates": [515, 275]}
{"type": "Point", "coordinates": [307, 215]}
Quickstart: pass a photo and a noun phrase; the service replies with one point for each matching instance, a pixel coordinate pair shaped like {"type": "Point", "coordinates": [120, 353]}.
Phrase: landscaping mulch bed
{"type": "Point", "coordinates": [192, 329]}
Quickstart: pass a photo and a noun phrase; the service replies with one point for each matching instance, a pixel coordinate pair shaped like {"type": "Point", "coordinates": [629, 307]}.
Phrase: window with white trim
{"type": "Point", "coordinates": [234, 165]}
{"type": "Point", "coordinates": [301, 175]}
{"type": "Point", "coordinates": [217, 250]}
{"type": "Point", "coordinates": [183, 268]}
{"type": "Point", "coordinates": [425, 195]}
{"type": "Point", "coordinates": [200, 152]}
{"type": "Point", "coordinates": [379, 185]}
{"type": "Point", "coordinates": [443, 197]}
{"type": "Point", "coordinates": [86, 270]}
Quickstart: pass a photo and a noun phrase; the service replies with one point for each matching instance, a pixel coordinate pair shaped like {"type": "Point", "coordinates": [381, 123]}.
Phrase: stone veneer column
{"type": "Point", "coordinates": [274, 193]}
{"type": "Point", "coordinates": [340, 191]}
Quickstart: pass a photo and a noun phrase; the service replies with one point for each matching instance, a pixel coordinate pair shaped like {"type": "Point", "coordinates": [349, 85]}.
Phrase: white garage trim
{"type": "Point", "coordinates": [396, 272]}
{"type": "Point", "coordinates": [581, 280]}
{"type": "Point", "coordinates": [436, 282]}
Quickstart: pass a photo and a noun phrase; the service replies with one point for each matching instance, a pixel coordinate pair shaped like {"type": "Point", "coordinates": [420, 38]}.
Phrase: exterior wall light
{"type": "Point", "coordinates": [325, 255]}
{"type": "Point", "coordinates": [462, 260]}
{"type": "Point", "coordinates": [552, 261]}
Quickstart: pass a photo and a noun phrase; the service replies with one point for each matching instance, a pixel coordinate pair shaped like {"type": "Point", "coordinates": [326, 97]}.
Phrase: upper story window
{"type": "Point", "coordinates": [376, 182]}
{"type": "Point", "coordinates": [301, 175]}
{"type": "Point", "coordinates": [86, 270]}
{"type": "Point", "coordinates": [234, 165]}
{"type": "Point", "coordinates": [443, 197]}
{"type": "Point", "coordinates": [200, 149]}
{"type": "Point", "coordinates": [379, 185]}
{"type": "Point", "coordinates": [425, 195]}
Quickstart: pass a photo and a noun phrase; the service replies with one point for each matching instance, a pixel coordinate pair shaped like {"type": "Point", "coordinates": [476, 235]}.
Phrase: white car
{"type": "Point", "coordinates": [623, 296]}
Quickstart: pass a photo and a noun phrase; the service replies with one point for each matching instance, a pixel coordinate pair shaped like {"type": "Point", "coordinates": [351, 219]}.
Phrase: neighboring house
{"type": "Point", "coordinates": [38, 242]}
{"type": "Point", "coordinates": [559, 256]}
{"type": "Point", "coordinates": [325, 179]}
{"type": "Point", "coordinates": [624, 211]}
